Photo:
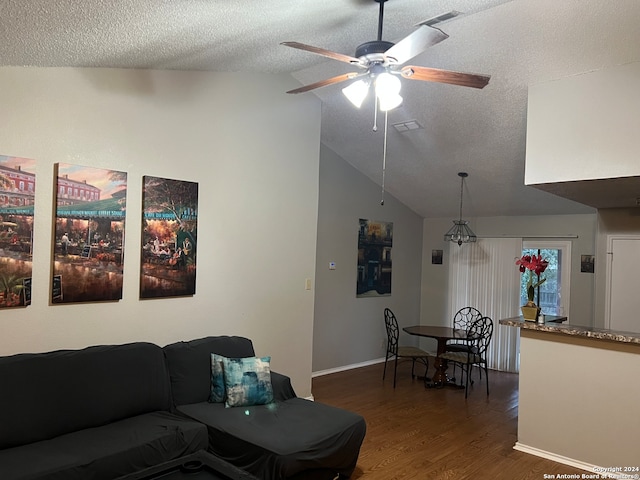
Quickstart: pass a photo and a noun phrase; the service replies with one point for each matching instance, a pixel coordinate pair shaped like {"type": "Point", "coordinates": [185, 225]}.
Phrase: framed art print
{"type": "Point", "coordinates": [169, 238]}
{"type": "Point", "coordinates": [17, 199]}
{"type": "Point", "coordinates": [88, 245]}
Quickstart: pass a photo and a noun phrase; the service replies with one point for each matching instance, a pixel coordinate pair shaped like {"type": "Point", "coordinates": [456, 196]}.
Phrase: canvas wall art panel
{"type": "Point", "coordinates": [169, 238]}
{"type": "Point", "coordinates": [88, 248]}
{"type": "Point", "coordinates": [375, 240]}
{"type": "Point", "coordinates": [17, 199]}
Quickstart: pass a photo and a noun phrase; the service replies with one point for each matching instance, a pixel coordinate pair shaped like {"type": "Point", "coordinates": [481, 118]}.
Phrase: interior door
{"type": "Point", "coordinates": [623, 284]}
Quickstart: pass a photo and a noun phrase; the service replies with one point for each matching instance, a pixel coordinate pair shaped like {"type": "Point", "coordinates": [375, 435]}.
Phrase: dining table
{"type": "Point", "coordinates": [442, 335]}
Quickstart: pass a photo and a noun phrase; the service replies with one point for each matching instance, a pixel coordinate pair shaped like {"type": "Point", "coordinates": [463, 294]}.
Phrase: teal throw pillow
{"type": "Point", "coordinates": [247, 381]}
{"type": "Point", "coordinates": [217, 379]}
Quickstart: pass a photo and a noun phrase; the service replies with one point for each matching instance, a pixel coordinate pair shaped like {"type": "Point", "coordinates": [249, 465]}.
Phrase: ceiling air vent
{"type": "Point", "coordinates": [407, 126]}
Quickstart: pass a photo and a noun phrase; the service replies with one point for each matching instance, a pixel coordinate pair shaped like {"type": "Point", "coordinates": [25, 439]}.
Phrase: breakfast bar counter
{"type": "Point", "coordinates": [578, 395]}
{"type": "Point", "coordinates": [573, 330]}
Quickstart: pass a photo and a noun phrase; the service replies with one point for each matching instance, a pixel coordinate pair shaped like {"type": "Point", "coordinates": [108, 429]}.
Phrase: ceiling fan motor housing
{"type": "Point", "coordinates": [374, 47]}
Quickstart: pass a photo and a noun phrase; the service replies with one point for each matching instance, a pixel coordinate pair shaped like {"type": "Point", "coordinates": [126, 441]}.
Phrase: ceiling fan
{"type": "Point", "coordinates": [382, 62]}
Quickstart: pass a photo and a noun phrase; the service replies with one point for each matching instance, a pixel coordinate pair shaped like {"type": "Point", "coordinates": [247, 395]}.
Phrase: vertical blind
{"type": "Point", "coordinates": [484, 275]}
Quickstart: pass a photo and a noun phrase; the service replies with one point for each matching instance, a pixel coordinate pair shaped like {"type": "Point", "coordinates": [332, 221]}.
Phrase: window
{"type": "Point", "coordinates": [553, 295]}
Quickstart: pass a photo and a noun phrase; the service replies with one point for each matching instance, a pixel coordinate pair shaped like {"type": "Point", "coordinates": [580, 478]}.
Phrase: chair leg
{"type": "Point", "coordinates": [413, 366]}
{"type": "Point", "coordinates": [395, 372]}
{"type": "Point", "coordinates": [486, 376]}
{"type": "Point", "coordinates": [384, 372]}
{"type": "Point", "coordinates": [466, 385]}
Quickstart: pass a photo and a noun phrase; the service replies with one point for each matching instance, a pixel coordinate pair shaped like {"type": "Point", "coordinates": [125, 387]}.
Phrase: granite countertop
{"type": "Point", "coordinates": [575, 330]}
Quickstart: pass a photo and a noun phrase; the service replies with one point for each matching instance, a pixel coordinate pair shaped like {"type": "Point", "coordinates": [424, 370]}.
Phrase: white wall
{"type": "Point", "coordinates": [349, 330]}
{"type": "Point", "coordinates": [254, 151]}
{"type": "Point", "coordinates": [435, 277]}
{"type": "Point", "coordinates": [584, 127]}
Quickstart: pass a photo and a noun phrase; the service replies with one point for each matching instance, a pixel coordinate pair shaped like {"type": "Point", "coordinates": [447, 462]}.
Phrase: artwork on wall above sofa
{"type": "Point", "coordinates": [169, 238]}
{"type": "Point", "coordinates": [89, 234]}
{"type": "Point", "coordinates": [17, 197]}
{"type": "Point", "coordinates": [374, 258]}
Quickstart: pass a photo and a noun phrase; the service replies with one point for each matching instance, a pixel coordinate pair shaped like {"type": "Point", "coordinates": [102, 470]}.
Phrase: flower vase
{"type": "Point", "coordinates": [530, 311]}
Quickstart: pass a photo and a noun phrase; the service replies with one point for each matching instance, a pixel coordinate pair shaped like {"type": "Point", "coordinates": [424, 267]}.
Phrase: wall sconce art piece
{"type": "Point", "coordinates": [169, 238]}
{"type": "Point", "coordinates": [17, 198]}
{"type": "Point", "coordinates": [375, 240]}
{"type": "Point", "coordinates": [88, 244]}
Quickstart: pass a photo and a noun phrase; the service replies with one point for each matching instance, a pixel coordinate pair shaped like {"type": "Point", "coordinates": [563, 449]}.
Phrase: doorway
{"type": "Point", "coordinates": [621, 311]}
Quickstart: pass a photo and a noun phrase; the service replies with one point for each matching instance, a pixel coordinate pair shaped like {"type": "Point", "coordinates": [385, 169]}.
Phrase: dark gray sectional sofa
{"type": "Point", "coordinates": [107, 411]}
{"type": "Point", "coordinates": [291, 438]}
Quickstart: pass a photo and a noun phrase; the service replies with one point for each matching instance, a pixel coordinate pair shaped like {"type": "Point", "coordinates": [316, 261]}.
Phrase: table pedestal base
{"type": "Point", "coordinates": [440, 379]}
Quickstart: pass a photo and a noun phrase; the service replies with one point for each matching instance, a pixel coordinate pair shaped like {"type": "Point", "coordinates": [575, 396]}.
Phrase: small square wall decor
{"type": "Point", "coordinates": [587, 263]}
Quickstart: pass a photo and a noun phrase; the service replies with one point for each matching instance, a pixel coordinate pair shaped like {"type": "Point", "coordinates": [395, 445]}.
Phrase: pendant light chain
{"type": "Point", "coordinates": [461, 192]}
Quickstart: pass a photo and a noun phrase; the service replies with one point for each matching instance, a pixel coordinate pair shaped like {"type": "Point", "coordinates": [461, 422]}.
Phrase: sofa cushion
{"type": "Point", "coordinates": [247, 381]}
{"type": "Point", "coordinates": [189, 364]}
{"type": "Point", "coordinates": [282, 439]}
{"type": "Point", "coordinates": [49, 394]}
{"type": "Point", "coordinates": [218, 389]}
{"type": "Point", "coordinates": [106, 452]}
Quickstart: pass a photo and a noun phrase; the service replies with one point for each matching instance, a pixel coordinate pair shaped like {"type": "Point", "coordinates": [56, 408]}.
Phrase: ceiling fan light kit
{"type": "Point", "coordinates": [388, 91]}
{"type": "Point", "coordinates": [356, 92]}
{"type": "Point", "coordinates": [460, 232]}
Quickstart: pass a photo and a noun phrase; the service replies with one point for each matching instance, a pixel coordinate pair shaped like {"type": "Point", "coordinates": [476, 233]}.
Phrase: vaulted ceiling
{"type": "Point", "coordinates": [483, 132]}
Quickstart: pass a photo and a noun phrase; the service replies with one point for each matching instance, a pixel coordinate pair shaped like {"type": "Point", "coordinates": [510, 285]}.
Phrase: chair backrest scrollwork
{"type": "Point", "coordinates": [480, 333]}
{"type": "Point", "coordinates": [465, 317]}
{"type": "Point", "coordinates": [391, 324]}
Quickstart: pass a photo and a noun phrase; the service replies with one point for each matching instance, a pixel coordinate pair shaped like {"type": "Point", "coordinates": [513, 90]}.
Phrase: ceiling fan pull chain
{"type": "Point", "coordinates": [384, 153]}
{"type": "Point", "coordinates": [375, 114]}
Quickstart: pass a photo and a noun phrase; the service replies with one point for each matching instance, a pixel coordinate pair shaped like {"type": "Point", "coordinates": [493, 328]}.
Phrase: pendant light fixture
{"type": "Point", "coordinates": [460, 232]}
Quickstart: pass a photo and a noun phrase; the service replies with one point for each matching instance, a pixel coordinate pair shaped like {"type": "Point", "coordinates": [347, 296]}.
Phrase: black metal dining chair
{"type": "Point", "coordinates": [395, 351]}
{"type": "Point", "coordinates": [462, 320]}
{"type": "Point", "coordinates": [479, 336]}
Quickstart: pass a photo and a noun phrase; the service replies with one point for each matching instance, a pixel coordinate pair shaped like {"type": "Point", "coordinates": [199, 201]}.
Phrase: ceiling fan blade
{"type": "Point", "coordinates": [324, 83]}
{"type": "Point", "coordinates": [321, 51]}
{"type": "Point", "coordinates": [415, 43]}
{"type": "Point", "coordinates": [445, 76]}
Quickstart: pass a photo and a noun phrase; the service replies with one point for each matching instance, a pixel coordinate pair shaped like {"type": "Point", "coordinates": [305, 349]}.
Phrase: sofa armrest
{"type": "Point", "coordinates": [282, 389]}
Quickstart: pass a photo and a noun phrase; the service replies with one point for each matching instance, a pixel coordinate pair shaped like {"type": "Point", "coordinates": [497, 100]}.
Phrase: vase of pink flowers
{"type": "Point", "coordinates": [533, 266]}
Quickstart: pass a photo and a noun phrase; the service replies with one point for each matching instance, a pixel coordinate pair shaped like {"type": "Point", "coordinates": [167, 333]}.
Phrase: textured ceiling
{"type": "Point", "coordinates": [482, 132]}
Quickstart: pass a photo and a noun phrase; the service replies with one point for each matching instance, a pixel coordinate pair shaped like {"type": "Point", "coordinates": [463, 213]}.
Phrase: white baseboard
{"type": "Point", "coordinates": [594, 469]}
{"type": "Point", "coordinates": [346, 367]}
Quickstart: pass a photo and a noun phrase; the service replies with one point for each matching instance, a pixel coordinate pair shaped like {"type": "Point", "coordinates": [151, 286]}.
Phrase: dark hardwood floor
{"type": "Point", "coordinates": [418, 433]}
